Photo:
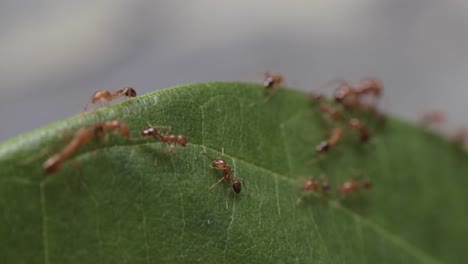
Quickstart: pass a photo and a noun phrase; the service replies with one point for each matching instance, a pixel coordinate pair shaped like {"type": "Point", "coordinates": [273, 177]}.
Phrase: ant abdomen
{"type": "Point", "coordinates": [129, 92]}
{"type": "Point", "coordinates": [101, 96]}
{"type": "Point", "coordinates": [237, 186]}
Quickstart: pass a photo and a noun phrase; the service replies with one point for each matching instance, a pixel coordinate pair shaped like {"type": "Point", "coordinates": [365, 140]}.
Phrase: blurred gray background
{"type": "Point", "coordinates": [54, 54]}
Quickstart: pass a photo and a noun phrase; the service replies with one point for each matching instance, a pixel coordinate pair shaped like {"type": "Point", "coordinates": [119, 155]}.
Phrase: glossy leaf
{"type": "Point", "coordinates": [118, 201]}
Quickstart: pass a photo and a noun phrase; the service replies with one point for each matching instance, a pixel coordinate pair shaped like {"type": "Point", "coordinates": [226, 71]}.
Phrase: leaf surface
{"type": "Point", "coordinates": [118, 201]}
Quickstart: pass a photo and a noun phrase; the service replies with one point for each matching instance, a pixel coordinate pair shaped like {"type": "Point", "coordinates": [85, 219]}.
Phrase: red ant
{"type": "Point", "coordinates": [83, 136]}
{"type": "Point", "coordinates": [221, 164]}
{"type": "Point", "coordinates": [334, 139]}
{"type": "Point", "coordinates": [357, 125]}
{"type": "Point", "coordinates": [366, 86]}
{"type": "Point", "coordinates": [165, 137]}
{"type": "Point", "coordinates": [313, 185]}
{"type": "Point", "coordinates": [272, 79]}
{"type": "Point", "coordinates": [434, 117]}
{"type": "Point", "coordinates": [103, 97]}
{"type": "Point", "coordinates": [351, 186]}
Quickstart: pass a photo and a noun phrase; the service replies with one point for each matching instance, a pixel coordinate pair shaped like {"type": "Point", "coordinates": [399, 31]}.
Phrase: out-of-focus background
{"type": "Point", "coordinates": [54, 54]}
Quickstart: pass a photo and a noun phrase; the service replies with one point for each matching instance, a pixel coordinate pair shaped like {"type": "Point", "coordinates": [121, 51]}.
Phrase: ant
{"type": "Point", "coordinates": [334, 139]}
{"type": "Point", "coordinates": [165, 137]}
{"type": "Point", "coordinates": [272, 79]}
{"type": "Point", "coordinates": [351, 186]}
{"type": "Point", "coordinates": [357, 125]}
{"type": "Point", "coordinates": [227, 177]}
{"type": "Point", "coordinates": [221, 164]}
{"type": "Point", "coordinates": [366, 86]}
{"type": "Point", "coordinates": [434, 117]}
{"type": "Point", "coordinates": [83, 136]}
{"type": "Point", "coordinates": [103, 97]}
{"type": "Point", "coordinates": [313, 185]}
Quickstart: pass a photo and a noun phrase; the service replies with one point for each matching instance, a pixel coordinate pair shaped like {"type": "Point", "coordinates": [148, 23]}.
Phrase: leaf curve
{"type": "Point", "coordinates": [131, 202]}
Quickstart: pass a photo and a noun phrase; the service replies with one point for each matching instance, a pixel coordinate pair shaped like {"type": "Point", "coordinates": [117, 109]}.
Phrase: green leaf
{"type": "Point", "coordinates": [119, 201]}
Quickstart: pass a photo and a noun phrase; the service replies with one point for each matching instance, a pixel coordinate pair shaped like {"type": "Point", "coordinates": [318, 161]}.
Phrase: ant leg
{"type": "Point", "coordinates": [264, 73]}
{"type": "Point", "coordinates": [271, 93]}
{"type": "Point", "coordinates": [167, 129]}
{"type": "Point", "coordinates": [300, 199]}
{"type": "Point", "coordinates": [209, 157]}
{"type": "Point", "coordinates": [173, 148]}
{"type": "Point", "coordinates": [170, 150]}
{"type": "Point", "coordinates": [206, 154]}
{"type": "Point", "coordinates": [319, 159]}
{"type": "Point", "coordinates": [86, 107]}
{"type": "Point", "coordinates": [216, 183]}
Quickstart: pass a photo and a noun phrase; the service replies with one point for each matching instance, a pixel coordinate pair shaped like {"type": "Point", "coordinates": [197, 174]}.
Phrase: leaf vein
{"type": "Point", "coordinates": [229, 231]}
{"type": "Point", "coordinates": [181, 238]}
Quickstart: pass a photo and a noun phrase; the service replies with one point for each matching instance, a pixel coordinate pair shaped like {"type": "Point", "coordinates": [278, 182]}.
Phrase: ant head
{"type": "Point", "coordinates": [237, 186]}
{"type": "Point", "coordinates": [149, 132]}
{"type": "Point", "coordinates": [182, 140]}
{"type": "Point", "coordinates": [130, 92]}
{"type": "Point", "coordinates": [219, 164]}
{"type": "Point", "coordinates": [323, 146]}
